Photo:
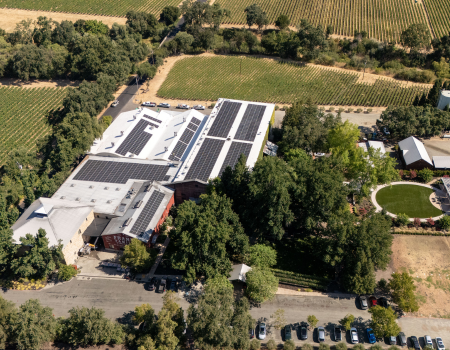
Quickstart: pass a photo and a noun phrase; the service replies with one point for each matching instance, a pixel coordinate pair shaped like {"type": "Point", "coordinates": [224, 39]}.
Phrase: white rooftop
{"type": "Point", "coordinates": [161, 134]}
{"type": "Point", "coordinates": [374, 144]}
{"type": "Point", "coordinates": [230, 136]}
{"type": "Point", "coordinates": [106, 193]}
{"type": "Point", "coordinates": [441, 162]}
{"type": "Point", "coordinates": [413, 150]}
{"type": "Point", "coordinates": [239, 272]}
{"type": "Point", "coordinates": [60, 219]}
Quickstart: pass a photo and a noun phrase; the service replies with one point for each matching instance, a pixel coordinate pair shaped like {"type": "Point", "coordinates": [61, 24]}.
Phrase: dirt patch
{"type": "Point", "coordinates": [427, 258]}
{"type": "Point", "coordinates": [37, 83]}
{"type": "Point", "coordinates": [10, 17]}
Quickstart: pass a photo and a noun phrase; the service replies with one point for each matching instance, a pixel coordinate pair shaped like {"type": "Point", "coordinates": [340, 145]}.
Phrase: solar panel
{"type": "Point", "coordinates": [187, 136]}
{"type": "Point", "coordinates": [195, 121]}
{"type": "Point", "coordinates": [167, 178]}
{"type": "Point", "coordinates": [235, 151]}
{"type": "Point", "coordinates": [120, 172]}
{"type": "Point", "coordinates": [224, 119]}
{"type": "Point", "coordinates": [147, 213]}
{"type": "Point", "coordinates": [178, 150]}
{"type": "Point", "coordinates": [205, 159]}
{"type": "Point", "coordinates": [151, 118]}
{"type": "Point", "coordinates": [172, 157]}
{"type": "Point", "coordinates": [136, 139]}
{"type": "Point", "coordinates": [250, 122]}
{"type": "Point", "coordinates": [192, 126]}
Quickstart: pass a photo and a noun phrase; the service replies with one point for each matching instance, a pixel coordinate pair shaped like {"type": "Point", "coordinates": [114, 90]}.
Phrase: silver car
{"type": "Point", "coordinates": [440, 343]}
{"type": "Point", "coordinates": [115, 103]}
{"type": "Point", "coordinates": [262, 331]}
{"type": "Point", "coordinates": [354, 335]}
{"type": "Point", "coordinates": [321, 334]}
{"type": "Point", "coordinates": [427, 340]}
{"type": "Point", "coordinates": [163, 104]}
{"type": "Point", "coordinates": [363, 302]}
{"type": "Point", "coordinates": [199, 107]}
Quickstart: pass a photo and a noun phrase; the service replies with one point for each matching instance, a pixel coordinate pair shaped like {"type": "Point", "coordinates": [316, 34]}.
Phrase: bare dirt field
{"type": "Point", "coordinates": [427, 259]}
{"type": "Point", "coordinates": [10, 17]}
{"type": "Point", "coordinates": [37, 83]}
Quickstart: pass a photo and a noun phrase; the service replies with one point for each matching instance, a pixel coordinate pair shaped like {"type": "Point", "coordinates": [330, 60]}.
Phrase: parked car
{"type": "Point", "coordinates": [354, 335]}
{"type": "Point", "coordinates": [173, 285]}
{"type": "Point", "coordinates": [363, 302]}
{"type": "Point", "coordinates": [427, 340]}
{"type": "Point", "coordinates": [383, 302]}
{"type": "Point", "coordinates": [151, 284]}
{"type": "Point", "coordinates": [386, 131]}
{"type": "Point", "coordinates": [183, 106]}
{"type": "Point", "coordinates": [287, 333]}
{"type": "Point", "coordinates": [303, 332]}
{"type": "Point", "coordinates": [262, 331]}
{"type": "Point", "coordinates": [392, 340]}
{"type": "Point", "coordinates": [321, 334]}
{"type": "Point", "coordinates": [415, 342]}
{"type": "Point", "coordinates": [402, 339]}
{"type": "Point", "coordinates": [337, 333]}
{"type": "Point", "coordinates": [371, 336]}
{"type": "Point", "coordinates": [161, 286]}
{"type": "Point", "coordinates": [115, 103]}
{"type": "Point", "coordinates": [163, 104]}
{"type": "Point", "coordinates": [251, 333]}
{"type": "Point", "coordinates": [149, 104]}
{"type": "Point", "coordinates": [440, 344]}
{"type": "Point", "coordinates": [199, 107]}
{"type": "Point", "coordinates": [319, 154]}
{"type": "Point", "coordinates": [373, 301]}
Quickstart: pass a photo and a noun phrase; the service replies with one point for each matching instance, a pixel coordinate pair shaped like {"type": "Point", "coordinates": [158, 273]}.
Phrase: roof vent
{"type": "Point", "coordinates": [109, 201]}
{"type": "Point", "coordinates": [93, 200]}
{"type": "Point", "coordinates": [106, 188]}
{"type": "Point", "coordinates": [72, 185]}
{"type": "Point", "coordinates": [174, 133]}
{"type": "Point", "coordinates": [127, 222]}
{"type": "Point", "coordinates": [121, 133]}
{"type": "Point", "coordinates": [91, 186]}
{"type": "Point", "coordinates": [118, 189]}
{"type": "Point", "coordinates": [138, 204]}
{"type": "Point", "coordinates": [134, 117]}
{"type": "Point", "coordinates": [63, 197]}
{"type": "Point", "coordinates": [112, 144]}
{"type": "Point", "coordinates": [147, 189]}
{"type": "Point", "coordinates": [165, 149]}
{"type": "Point", "coordinates": [184, 119]}
{"type": "Point", "coordinates": [77, 199]}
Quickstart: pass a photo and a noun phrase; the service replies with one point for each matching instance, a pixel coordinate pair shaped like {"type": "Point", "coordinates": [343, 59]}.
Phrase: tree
{"type": "Point", "coordinates": [255, 344]}
{"type": "Point", "coordinates": [323, 346]}
{"type": "Point", "coordinates": [282, 22]}
{"type": "Point", "coordinates": [279, 319]}
{"type": "Point", "coordinates": [342, 139]}
{"type": "Point", "coordinates": [196, 13]}
{"type": "Point", "coordinates": [145, 343]}
{"type": "Point", "coordinates": [146, 71]}
{"type": "Point", "coordinates": [341, 346]}
{"type": "Point", "coordinates": [165, 337]}
{"type": "Point", "coordinates": [242, 322]}
{"type": "Point", "coordinates": [441, 68]}
{"type": "Point", "coordinates": [312, 321]}
{"type": "Point", "coordinates": [170, 15]}
{"type": "Point", "coordinates": [261, 283]}
{"type": "Point", "coordinates": [8, 315]}
{"type": "Point", "coordinates": [255, 15]}
{"type": "Point", "coordinates": [416, 36]}
{"type": "Point", "coordinates": [7, 248]}
{"type": "Point", "coordinates": [39, 260]}
{"type": "Point", "coordinates": [184, 41]}
{"type": "Point", "coordinates": [42, 30]}
{"type": "Point", "coordinates": [33, 326]}
{"type": "Point", "coordinates": [402, 287]}
{"type": "Point", "coordinates": [444, 222]}
{"type": "Point", "coordinates": [217, 15]}
{"type": "Point", "coordinates": [136, 256]}
{"type": "Point", "coordinates": [271, 345]}
{"type": "Point", "coordinates": [66, 272]}
{"type": "Point", "coordinates": [87, 326]}
{"type": "Point", "coordinates": [402, 219]}
{"type": "Point", "coordinates": [262, 256]}
{"type": "Point", "coordinates": [426, 175]}
{"type": "Point", "coordinates": [206, 236]}
{"type": "Point", "coordinates": [289, 345]}
{"type": "Point", "coordinates": [144, 313]}
{"type": "Point", "coordinates": [347, 321]}
{"type": "Point", "coordinates": [384, 322]}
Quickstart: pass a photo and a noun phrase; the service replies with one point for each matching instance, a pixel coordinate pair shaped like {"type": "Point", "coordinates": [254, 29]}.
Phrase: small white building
{"type": "Point", "coordinates": [374, 144]}
{"type": "Point", "coordinates": [444, 99]}
{"type": "Point", "coordinates": [239, 272]}
{"type": "Point", "coordinates": [441, 162]}
{"type": "Point", "coordinates": [414, 154]}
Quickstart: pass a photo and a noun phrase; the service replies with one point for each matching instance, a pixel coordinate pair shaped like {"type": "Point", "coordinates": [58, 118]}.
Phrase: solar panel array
{"type": "Point", "coordinates": [250, 122]}
{"type": "Point", "coordinates": [224, 119]}
{"type": "Point", "coordinates": [136, 139]}
{"type": "Point", "coordinates": [195, 121]}
{"type": "Point", "coordinates": [235, 151]}
{"type": "Point", "coordinates": [147, 213]}
{"type": "Point", "coordinates": [205, 159]}
{"type": "Point", "coordinates": [183, 142]}
{"type": "Point", "coordinates": [151, 118]}
{"type": "Point", "coordinates": [120, 172]}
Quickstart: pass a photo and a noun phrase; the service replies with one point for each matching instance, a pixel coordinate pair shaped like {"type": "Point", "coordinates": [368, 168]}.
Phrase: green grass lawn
{"type": "Point", "coordinates": [411, 200]}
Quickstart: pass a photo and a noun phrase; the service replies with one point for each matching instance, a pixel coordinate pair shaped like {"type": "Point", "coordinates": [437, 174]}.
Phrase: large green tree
{"type": "Point", "coordinates": [136, 256]}
{"type": "Point", "coordinates": [255, 15]}
{"type": "Point", "coordinates": [416, 36]}
{"type": "Point", "coordinates": [262, 285]}
{"type": "Point", "coordinates": [207, 236]}
{"type": "Point", "coordinates": [384, 322]}
{"type": "Point", "coordinates": [262, 255]}
{"type": "Point", "coordinates": [402, 289]}
{"type": "Point", "coordinates": [8, 316]}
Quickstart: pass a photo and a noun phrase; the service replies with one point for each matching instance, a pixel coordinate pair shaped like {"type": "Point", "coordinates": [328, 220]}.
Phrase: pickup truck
{"type": "Point", "coordinates": [337, 334]}
{"type": "Point", "coordinates": [161, 286]}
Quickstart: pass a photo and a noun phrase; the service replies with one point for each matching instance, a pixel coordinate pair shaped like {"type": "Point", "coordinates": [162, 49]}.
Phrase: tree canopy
{"type": "Point", "coordinates": [384, 322]}
{"type": "Point", "coordinates": [262, 285]}
{"type": "Point", "coordinates": [402, 288]}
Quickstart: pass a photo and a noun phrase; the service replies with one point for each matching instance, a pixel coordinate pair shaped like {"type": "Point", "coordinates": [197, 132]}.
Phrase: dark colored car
{"type": "Point", "coordinates": [287, 333]}
{"type": "Point", "coordinates": [383, 302]}
{"type": "Point", "coordinates": [303, 332]}
{"type": "Point", "coordinates": [402, 339]}
{"type": "Point", "coordinates": [371, 336]}
{"type": "Point", "coordinates": [173, 285]}
{"type": "Point", "coordinates": [151, 284]}
{"type": "Point", "coordinates": [415, 342]}
{"type": "Point", "coordinates": [161, 286]}
{"type": "Point", "coordinates": [251, 333]}
{"type": "Point", "coordinates": [337, 334]}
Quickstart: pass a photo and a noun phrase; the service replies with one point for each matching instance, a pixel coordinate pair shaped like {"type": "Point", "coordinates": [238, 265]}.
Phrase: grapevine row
{"type": "Point", "coordinates": [439, 12]}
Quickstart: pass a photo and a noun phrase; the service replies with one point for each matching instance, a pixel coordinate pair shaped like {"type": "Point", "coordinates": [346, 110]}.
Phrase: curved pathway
{"type": "Point", "coordinates": [379, 208]}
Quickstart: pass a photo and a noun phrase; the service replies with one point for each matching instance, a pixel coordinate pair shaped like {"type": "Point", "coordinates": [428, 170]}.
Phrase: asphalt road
{"type": "Point", "coordinates": [125, 101]}
{"type": "Point", "coordinates": [118, 297]}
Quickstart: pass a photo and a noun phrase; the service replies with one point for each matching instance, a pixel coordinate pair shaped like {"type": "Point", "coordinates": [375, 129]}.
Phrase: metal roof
{"type": "Point", "coordinates": [413, 150]}
{"type": "Point", "coordinates": [374, 144]}
{"type": "Point", "coordinates": [441, 162]}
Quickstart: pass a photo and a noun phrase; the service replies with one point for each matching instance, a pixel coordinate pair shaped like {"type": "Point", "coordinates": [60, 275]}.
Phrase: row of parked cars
{"type": "Point", "coordinates": [163, 284]}
{"type": "Point", "coordinates": [167, 105]}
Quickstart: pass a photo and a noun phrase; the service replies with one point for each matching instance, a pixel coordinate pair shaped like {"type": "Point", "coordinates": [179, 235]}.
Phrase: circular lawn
{"type": "Point", "coordinates": [411, 200]}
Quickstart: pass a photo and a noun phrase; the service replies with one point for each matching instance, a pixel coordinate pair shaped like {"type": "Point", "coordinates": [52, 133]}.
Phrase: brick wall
{"type": "Point", "coordinates": [70, 250]}
{"type": "Point", "coordinates": [186, 190]}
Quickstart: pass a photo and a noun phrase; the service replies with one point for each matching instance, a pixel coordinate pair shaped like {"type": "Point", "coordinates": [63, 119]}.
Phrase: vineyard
{"type": "Point", "coordinates": [23, 115]}
{"type": "Point", "coordinates": [98, 7]}
{"type": "Point", "coordinates": [439, 12]}
{"type": "Point", "coordinates": [381, 19]}
{"type": "Point", "coordinates": [301, 279]}
{"type": "Point", "coordinates": [264, 80]}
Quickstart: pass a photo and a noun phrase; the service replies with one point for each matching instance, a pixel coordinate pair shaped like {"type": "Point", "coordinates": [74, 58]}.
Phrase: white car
{"type": "Point", "coordinates": [321, 334]}
{"type": "Point", "coordinates": [427, 340]}
{"type": "Point", "coordinates": [262, 331]}
{"type": "Point", "coordinates": [319, 154]}
{"type": "Point", "coordinates": [163, 104]}
{"type": "Point", "coordinates": [183, 106]}
{"type": "Point", "coordinates": [440, 344]}
{"type": "Point", "coordinates": [199, 107]}
{"type": "Point", "coordinates": [149, 104]}
{"type": "Point", "coordinates": [354, 335]}
{"type": "Point", "coordinates": [115, 103]}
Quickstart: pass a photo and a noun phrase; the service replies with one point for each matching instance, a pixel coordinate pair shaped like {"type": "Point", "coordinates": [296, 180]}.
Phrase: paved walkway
{"type": "Point", "coordinates": [379, 208]}
{"type": "Point", "coordinates": [158, 259]}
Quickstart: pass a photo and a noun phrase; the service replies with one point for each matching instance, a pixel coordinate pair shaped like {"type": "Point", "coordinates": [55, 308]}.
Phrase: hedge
{"type": "Point", "coordinates": [302, 283]}
{"type": "Point", "coordinates": [300, 275]}
{"type": "Point", "coordinates": [419, 233]}
{"type": "Point", "coordinates": [298, 279]}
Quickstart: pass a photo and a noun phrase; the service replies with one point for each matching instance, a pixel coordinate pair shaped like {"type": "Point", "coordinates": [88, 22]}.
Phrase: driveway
{"type": "Point", "coordinates": [125, 101]}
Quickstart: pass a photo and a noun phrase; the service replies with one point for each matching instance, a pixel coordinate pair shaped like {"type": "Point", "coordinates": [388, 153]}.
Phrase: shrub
{"type": "Point", "coordinates": [359, 110]}
{"type": "Point", "coordinates": [417, 222]}
{"type": "Point", "coordinates": [324, 346]}
{"type": "Point", "coordinates": [107, 120]}
{"type": "Point", "coordinates": [271, 345]}
{"type": "Point", "coordinates": [255, 344]}
{"type": "Point", "coordinates": [393, 347]}
{"type": "Point", "coordinates": [66, 272]}
{"type": "Point", "coordinates": [289, 345]}
{"type": "Point", "coordinates": [402, 219]}
{"type": "Point", "coordinates": [419, 76]}
{"type": "Point", "coordinates": [383, 285]}
{"type": "Point", "coordinates": [359, 347]}
{"type": "Point", "coordinates": [444, 222]}
{"type": "Point", "coordinates": [376, 347]}
{"type": "Point", "coordinates": [412, 174]}
{"type": "Point", "coordinates": [341, 110]}
{"type": "Point", "coordinates": [307, 347]}
{"type": "Point", "coordinates": [350, 110]}
{"type": "Point", "coordinates": [212, 105]}
{"type": "Point", "coordinates": [331, 109]}
{"type": "Point", "coordinates": [369, 110]}
{"type": "Point", "coordinates": [341, 346]}
{"type": "Point", "coordinates": [426, 175]}
{"type": "Point", "coordinates": [277, 107]}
